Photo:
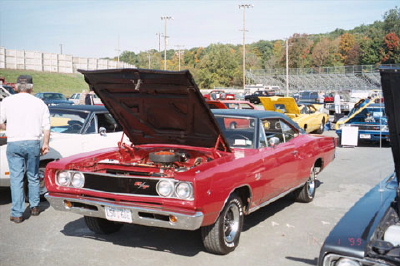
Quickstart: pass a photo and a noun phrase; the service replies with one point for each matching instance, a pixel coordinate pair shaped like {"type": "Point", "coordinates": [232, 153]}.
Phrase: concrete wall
{"type": "Point", "coordinates": [61, 63]}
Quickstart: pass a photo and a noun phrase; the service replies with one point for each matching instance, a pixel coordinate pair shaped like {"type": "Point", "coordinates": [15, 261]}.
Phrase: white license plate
{"type": "Point", "coordinates": [118, 215]}
{"type": "Point", "coordinates": [365, 136]}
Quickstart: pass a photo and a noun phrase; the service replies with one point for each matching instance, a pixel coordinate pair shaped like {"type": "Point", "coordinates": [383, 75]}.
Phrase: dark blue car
{"type": "Point", "coordinates": [369, 233]}
{"type": "Point", "coordinates": [53, 98]}
{"type": "Point", "coordinates": [371, 121]}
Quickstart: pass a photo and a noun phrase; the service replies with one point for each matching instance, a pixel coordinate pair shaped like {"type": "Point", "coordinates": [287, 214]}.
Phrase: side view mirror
{"type": "Point", "coordinates": [102, 131]}
{"type": "Point", "coordinates": [273, 141]}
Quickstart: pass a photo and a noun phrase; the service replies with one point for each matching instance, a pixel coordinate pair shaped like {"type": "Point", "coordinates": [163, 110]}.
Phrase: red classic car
{"type": "Point", "coordinates": [183, 169]}
{"type": "Point", "coordinates": [231, 104]}
{"type": "Point", "coordinates": [219, 95]}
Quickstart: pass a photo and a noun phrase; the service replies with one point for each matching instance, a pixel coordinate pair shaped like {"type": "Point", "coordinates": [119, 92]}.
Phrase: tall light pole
{"type": "Point", "coordinates": [165, 18]}
{"type": "Point", "coordinates": [159, 40]}
{"type": "Point", "coordinates": [244, 6]}
{"type": "Point", "coordinates": [287, 67]}
{"type": "Point", "coordinates": [179, 55]}
{"type": "Point", "coordinates": [118, 50]}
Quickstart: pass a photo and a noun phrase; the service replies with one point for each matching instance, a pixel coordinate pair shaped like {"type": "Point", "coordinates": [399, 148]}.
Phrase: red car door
{"type": "Point", "coordinates": [280, 160]}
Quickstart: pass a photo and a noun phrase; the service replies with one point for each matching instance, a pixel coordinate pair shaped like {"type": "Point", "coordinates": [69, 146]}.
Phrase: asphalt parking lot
{"type": "Point", "coordinates": [283, 233]}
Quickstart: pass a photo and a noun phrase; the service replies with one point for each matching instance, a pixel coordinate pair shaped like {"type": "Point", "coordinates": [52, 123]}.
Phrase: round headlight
{"type": "Point", "coordinates": [78, 180]}
{"type": "Point", "coordinates": [184, 190]}
{"type": "Point", "coordinates": [64, 178]}
{"type": "Point", "coordinates": [347, 262]}
{"type": "Point", "coordinates": [165, 188]}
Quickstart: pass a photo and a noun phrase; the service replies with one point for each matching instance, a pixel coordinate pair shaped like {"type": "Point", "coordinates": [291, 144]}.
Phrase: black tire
{"type": "Point", "coordinates": [223, 236]}
{"type": "Point", "coordinates": [43, 189]}
{"type": "Point", "coordinates": [102, 226]}
{"type": "Point", "coordinates": [307, 192]}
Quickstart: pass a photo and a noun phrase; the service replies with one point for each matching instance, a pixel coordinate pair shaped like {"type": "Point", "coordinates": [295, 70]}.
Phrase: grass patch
{"type": "Point", "coordinates": [66, 84]}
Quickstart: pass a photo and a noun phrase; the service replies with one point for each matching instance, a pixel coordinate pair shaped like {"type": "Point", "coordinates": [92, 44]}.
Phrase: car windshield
{"type": "Point", "coordinates": [54, 96]}
{"type": "Point", "coordinates": [239, 131]}
{"type": "Point", "coordinates": [67, 121]}
{"type": "Point", "coordinates": [9, 89]}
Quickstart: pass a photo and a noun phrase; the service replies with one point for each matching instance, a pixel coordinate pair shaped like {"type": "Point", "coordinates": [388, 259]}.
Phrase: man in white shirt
{"type": "Point", "coordinates": [337, 102]}
{"type": "Point", "coordinates": [26, 119]}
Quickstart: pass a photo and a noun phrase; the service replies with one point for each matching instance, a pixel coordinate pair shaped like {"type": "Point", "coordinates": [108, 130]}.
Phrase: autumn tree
{"type": "Point", "coordinates": [391, 49]}
{"type": "Point", "coordinates": [325, 53]}
{"type": "Point", "coordinates": [349, 49]}
{"type": "Point", "coordinates": [300, 46]}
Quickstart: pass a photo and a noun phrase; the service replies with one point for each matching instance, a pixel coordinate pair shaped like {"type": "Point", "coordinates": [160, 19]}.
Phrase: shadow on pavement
{"type": "Point", "coordinates": [306, 261]}
{"type": "Point", "coordinates": [185, 243]}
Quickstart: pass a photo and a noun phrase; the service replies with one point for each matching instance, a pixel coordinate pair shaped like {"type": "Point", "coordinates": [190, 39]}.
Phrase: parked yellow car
{"type": "Point", "coordinates": [310, 117]}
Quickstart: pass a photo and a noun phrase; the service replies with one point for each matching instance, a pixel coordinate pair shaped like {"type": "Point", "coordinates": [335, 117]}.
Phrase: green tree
{"type": "Point", "coordinates": [371, 42]}
{"type": "Point", "coordinates": [263, 50]}
{"type": "Point", "coordinates": [392, 21]}
{"type": "Point", "coordinates": [278, 57]}
{"type": "Point", "coordinates": [218, 67]}
{"type": "Point", "coordinates": [129, 57]}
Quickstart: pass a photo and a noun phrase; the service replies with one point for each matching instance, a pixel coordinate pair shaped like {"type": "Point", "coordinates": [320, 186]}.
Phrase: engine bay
{"type": "Point", "coordinates": [154, 161]}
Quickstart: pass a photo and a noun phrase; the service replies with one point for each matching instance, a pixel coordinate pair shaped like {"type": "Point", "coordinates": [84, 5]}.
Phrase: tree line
{"type": "Point", "coordinates": [220, 65]}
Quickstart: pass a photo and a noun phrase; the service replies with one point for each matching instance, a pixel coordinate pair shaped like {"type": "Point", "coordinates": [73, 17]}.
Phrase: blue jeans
{"type": "Point", "coordinates": [24, 156]}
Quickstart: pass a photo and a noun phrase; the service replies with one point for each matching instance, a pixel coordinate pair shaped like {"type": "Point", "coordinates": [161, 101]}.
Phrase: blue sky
{"type": "Point", "coordinates": [100, 28]}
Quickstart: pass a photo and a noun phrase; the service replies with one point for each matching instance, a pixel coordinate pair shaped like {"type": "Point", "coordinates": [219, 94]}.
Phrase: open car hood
{"type": "Point", "coordinates": [157, 107]}
{"type": "Point", "coordinates": [390, 80]}
{"type": "Point", "coordinates": [280, 104]}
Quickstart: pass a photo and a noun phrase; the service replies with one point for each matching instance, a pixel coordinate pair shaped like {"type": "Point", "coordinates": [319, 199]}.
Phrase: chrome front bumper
{"type": "Point", "coordinates": [140, 215]}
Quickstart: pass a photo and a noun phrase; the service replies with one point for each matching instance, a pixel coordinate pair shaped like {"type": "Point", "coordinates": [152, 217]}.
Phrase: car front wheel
{"type": "Point", "coordinates": [102, 226]}
{"type": "Point", "coordinates": [223, 236]}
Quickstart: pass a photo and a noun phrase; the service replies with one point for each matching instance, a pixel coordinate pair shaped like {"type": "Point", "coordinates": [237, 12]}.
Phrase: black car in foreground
{"type": "Point", "coordinates": [369, 233]}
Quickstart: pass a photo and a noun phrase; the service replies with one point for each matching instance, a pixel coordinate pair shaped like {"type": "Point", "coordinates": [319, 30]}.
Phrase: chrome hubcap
{"type": "Point", "coordinates": [311, 183]}
{"type": "Point", "coordinates": [231, 223]}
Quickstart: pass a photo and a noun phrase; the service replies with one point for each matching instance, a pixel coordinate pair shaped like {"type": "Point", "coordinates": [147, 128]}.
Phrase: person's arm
{"type": "Point", "coordinates": [2, 117]}
{"type": "Point", "coordinates": [46, 140]}
{"type": "Point", "coordinates": [46, 131]}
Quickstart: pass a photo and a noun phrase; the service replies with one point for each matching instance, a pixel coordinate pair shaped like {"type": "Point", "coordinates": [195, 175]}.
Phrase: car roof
{"type": "Point", "coordinates": [90, 108]}
{"type": "Point", "coordinates": [249, 113]}
{"type": "Point", "coordinates": [258, 114]}
{"type": "Point", "coordinates": [235, 101]}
